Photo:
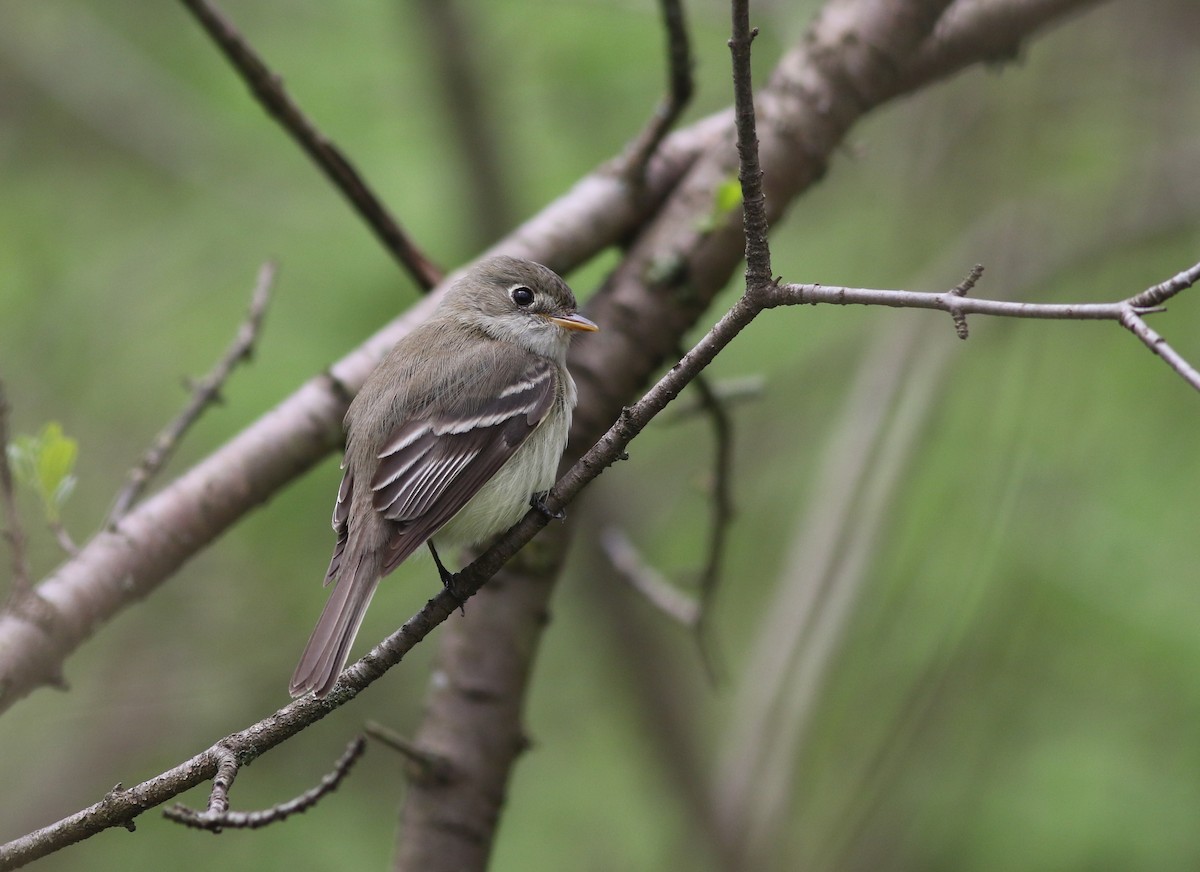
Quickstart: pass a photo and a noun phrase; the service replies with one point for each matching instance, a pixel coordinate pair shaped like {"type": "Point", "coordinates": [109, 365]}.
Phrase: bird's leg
{"type": "Point", "coordinates": [447, 577]}
{"type": "Point", "coordinates": [538, 501]}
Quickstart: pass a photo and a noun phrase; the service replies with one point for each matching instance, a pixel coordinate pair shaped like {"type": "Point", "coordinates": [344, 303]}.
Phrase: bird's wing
{"type": "Point", "coordinates": [341, 524]}
{"type": "Point", "coordinates": [431, 466]}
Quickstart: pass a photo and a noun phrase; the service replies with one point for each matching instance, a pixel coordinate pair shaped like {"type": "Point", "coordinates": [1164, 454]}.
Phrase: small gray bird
{"type": "Point", "coordinates": [450, 438]}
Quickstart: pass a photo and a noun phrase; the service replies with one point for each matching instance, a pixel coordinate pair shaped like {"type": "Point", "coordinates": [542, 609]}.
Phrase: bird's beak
{"type": "Point", "coordinates": [574, 321]}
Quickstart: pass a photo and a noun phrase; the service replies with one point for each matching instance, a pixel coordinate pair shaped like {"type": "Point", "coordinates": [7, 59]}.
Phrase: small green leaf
{"type": "Point", "coordinates": [46, 463]}
{"type": "Point", "coordinates": [22, 457]}
{"type": "Point", "coordinates": [729, 196]}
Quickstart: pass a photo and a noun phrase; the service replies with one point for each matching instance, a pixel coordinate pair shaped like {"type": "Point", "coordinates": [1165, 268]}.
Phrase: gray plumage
{"type": "Point", "coordinates": [463, 421]}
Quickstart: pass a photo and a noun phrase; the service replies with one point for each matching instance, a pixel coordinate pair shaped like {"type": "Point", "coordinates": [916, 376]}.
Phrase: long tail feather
{"type": "Point", "coordinates": [328, 646]}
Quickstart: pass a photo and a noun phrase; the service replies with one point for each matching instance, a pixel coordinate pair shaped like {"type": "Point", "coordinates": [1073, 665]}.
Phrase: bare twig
{"type": "Point", "coordinates": [13, 531]}
{"type": "Point", "coordinates": [728, 392]}
{"type": "Point", "coordinates": [218, 817]}
{"type": "Point", "coordinates": [722, 500]}
{"type": "Point", "coordinates": [646, 580]}
{"type": "Point", "coordinates": [679, 92]}
{"type": "Point", "coordinates": [720, 519]}
{"type": "Point", "coordinates": [754, 203]}
{"type": "Point", "coordinates": [62, 537]}
{"type": "Point", "coordinates": [267, 87]}
{"type": "Point", "coordinates": [422, 766]}
{"type": "Point", "coordinates": [205, 392]}
{"type": "Point", "coordinates": [1128, 312]}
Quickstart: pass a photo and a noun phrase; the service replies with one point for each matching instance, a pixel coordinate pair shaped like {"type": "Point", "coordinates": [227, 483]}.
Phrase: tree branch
{"type": "Point", "coordinates": [319, 404]}
{"type": "Point", "coordinates": [267, 87]}
{"type": "Point", "coordinates": [119, 567]}
{"type": "Point", "coordinates": [1128, 312]}
{"type": "Point", "coordinates": [679, 93]}
{"type": "Point", "coordinates": [205, 392]}
{"type": "Point", "coordinates": [218, 817]}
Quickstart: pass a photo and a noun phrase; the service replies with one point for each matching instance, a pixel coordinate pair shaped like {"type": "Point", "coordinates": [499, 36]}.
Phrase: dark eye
{"type": "Point", "coordinates": [521, 295]}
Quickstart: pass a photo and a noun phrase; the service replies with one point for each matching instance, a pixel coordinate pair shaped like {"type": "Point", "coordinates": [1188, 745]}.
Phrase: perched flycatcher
{"type": "Point", "coordinates": [450, 437]}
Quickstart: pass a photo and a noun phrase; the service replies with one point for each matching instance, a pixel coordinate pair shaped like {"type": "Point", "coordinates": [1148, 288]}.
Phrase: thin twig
{"type": "Point", "coordinates": [754, 203]}
{"type": "Point", "coordinates": [267, 87]}
{"type": "Point", "coordinates": [679, 91]}
{"type": "Point", "coordinates": [218, 817]}
{"type": "Point", "coordinates": [62, 537]}
{"type": "Point", "coordinates": [722, 501]}
{"type": "Point", "coordinates": [721, 517]}
{"type": "Point", "coordinates": [13, 531]}
{"type": "Point", "coordinates": [1128, 312]}
{"type": "Point", "coordinates": [646, 580]}
{"type": "Point", "coordinates": [421, 765]}
{"type": "Point", "coordinates": [728, 392]}
{"type": "Point", "coordinates": [205, 392]}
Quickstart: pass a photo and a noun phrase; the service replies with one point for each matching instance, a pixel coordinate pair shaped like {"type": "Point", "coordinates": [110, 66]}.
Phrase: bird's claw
{"type": "Point", "coordinates": [538, 501]}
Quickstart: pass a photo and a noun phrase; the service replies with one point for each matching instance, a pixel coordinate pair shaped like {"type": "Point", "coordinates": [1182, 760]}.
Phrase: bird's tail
{"type": "Point", "coordinates": [328, 646]}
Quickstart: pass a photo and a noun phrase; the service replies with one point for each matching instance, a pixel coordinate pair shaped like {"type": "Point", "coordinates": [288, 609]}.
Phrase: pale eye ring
{"type": "Point", "coordinates": [521, 295]}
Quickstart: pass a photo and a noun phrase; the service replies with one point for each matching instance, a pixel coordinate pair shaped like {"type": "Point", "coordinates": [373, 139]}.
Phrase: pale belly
{"type": "Point", "coordinates": [504, 500]}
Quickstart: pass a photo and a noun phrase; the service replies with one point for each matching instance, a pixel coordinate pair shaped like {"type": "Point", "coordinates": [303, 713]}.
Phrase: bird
{"type": "Point", "coordinates": [453, 436]}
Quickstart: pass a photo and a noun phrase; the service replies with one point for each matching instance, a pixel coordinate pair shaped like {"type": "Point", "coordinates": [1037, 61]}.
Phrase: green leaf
{"type": "Point", "coordinates": [46, 463]}
{"type": "Point", "coordinates": [729, 196]}
{"type": "Point", "coordinates": [727, 199]}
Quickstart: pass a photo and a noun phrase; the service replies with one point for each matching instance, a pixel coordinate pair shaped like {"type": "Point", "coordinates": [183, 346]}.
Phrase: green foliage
{"type": "Point", "coordinates": [45, 463]}
{"type": "Point", "coordinates": [727, 200]}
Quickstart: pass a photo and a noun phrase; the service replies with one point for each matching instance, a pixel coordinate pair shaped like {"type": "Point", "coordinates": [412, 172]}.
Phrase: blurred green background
{"type": "Point", "coordinates": [959, 624]}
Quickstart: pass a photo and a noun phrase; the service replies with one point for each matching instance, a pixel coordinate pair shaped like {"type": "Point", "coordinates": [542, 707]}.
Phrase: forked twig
{"type": "Point", "coordinates": [205, 392]}
{"type": "Point", "coordinates": [1128, 312]}
{"type": "Point", "coordinates": [217, 816]}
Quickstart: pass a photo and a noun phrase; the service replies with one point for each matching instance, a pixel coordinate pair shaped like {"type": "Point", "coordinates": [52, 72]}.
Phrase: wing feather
{"type": "Point", "coordinates": [431, 467]}
{"type": "Point", "coordinates": [341, 524]}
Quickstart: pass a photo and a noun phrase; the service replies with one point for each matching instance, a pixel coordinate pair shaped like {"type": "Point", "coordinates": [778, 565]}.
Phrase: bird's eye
{"type": "Point", "coordinates": [521, 295]}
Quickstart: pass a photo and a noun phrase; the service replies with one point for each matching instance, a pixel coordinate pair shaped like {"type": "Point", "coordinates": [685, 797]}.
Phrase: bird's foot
{"type": "Point", "coordinates": [448, 579]}
{"type": "Point", "coordinates": [538, 501]}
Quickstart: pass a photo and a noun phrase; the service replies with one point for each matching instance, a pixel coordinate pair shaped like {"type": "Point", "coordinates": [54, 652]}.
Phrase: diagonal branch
{"type": "Point", "coordinates": [267, 87]}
